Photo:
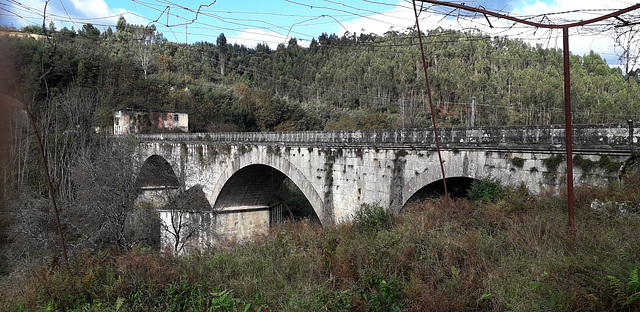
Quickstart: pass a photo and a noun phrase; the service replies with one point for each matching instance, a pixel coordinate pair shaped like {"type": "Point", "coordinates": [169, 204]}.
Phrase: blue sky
{"type": "Point", "coordinates": [274, 21]}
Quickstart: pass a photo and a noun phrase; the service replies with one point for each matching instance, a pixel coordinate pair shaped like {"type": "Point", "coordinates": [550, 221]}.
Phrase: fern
{"type": "Point", "coordinates": [633, 287]}
{"type": "Point", "coordinates": [632, 299]}
{"type": "Point", "coordinates": [634, 281]}
{"type": "Point", "coordinates": [625, 295]}
{"type": "Point", "coordinates": [619, 291]}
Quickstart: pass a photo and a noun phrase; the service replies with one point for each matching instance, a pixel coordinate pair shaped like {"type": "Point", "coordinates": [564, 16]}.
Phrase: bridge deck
{"type": "Point", "coordinates": [613, 138]}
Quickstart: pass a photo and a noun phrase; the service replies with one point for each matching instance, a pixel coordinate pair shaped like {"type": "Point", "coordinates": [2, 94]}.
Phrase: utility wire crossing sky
{"type": "Point", "coordinates": [276, 21]}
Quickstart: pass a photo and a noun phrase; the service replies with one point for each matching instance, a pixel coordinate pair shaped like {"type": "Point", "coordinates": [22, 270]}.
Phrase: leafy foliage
{"type": "Point", "coordinates": [348, 82]}
{"type": "Point", "coordinates": [372, 218]}
{"type": "Point", "coordinates": [626, 294]}
{"type": "Point", "coordinates": [487, 190]}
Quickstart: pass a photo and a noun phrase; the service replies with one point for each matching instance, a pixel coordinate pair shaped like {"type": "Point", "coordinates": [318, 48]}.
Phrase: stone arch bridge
{"type": "Point", "coordinates": [337, 171]}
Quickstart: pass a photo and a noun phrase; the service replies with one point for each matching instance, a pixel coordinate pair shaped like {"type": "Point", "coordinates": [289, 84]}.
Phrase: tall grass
{"type": "Point", "coordinates": [511, 253]}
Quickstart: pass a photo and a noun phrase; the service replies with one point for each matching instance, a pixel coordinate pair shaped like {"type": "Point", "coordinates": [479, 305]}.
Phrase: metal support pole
{"type": "Point", "coordinates": [567, 121]}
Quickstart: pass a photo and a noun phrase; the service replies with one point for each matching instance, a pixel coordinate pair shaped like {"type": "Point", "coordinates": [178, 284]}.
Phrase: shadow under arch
{"type": "Point", "coordinates": [256, 185]}
{"type": "Point", "coordinates": [458, 187]}
{"type": "Point", "coordinates": [156, 172]}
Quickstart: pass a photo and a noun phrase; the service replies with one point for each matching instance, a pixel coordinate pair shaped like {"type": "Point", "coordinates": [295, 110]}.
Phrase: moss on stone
{"type": "Point", "coordinates": [517, 162]}
{"type": "Point", "coordinates": [553, 162]}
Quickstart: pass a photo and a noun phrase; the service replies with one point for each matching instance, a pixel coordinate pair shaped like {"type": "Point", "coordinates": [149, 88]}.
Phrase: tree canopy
{"type": "Point", "coordinates": [352, 81]}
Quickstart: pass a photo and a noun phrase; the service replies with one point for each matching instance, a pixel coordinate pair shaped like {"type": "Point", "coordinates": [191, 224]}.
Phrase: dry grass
{"type": "Point", "coordinates": [511, 254]}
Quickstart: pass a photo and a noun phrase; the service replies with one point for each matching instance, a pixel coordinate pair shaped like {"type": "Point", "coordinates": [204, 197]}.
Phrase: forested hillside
{"type": "Point", "coordinates": [353, 81]}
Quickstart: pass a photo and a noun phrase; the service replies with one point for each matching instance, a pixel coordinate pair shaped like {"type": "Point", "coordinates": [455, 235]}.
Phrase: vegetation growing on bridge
{"type": "Point", "coordinates": [604, 163]}
{"type": "Point", "coordinates": [517, 162]}
{"type": "Point", "coordinates": [512, 253]}
{"type": "Point", "coordinates": [553, 162]}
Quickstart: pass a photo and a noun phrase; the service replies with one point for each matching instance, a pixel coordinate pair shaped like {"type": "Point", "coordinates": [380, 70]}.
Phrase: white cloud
{"type": "Point", "coordinates": [34, 16]}
{"type": "Point", "coordinates": [535, 8]}
{"type": "Point", "coordinates": [92, 8]}
{"type": "Point", "coordinates": [99, 8]}
{"type": "Point", "coordinates": [400, 18]}
{"type": "Point", "coordinates": [581, 40]}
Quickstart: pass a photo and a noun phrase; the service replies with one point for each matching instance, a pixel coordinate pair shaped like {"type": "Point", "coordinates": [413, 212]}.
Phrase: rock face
{"type": "Point", "coordinates": [616, 208]}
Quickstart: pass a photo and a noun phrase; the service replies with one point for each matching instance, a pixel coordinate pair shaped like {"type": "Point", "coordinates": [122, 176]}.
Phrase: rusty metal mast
{"type": "Point", "coordinates": [567, 78]}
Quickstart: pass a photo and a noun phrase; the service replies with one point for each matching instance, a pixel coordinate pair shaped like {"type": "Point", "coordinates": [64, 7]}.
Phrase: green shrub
{"type": "Point", "coordinates": [607, 164]}
{"type": "Point", "coordinates": [384, 295]}
{"type": "Point", "coordinates": [486, 190]}
{"type": "Point", "coordinates": [372, 218]}
{"type": "Point", "coordinates": [583, 163]}
{"type": "Point", "coordinates": [338, 300]}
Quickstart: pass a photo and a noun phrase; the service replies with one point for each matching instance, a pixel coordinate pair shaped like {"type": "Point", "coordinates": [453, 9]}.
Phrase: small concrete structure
{"type": "Point", "coordinates": [133, 122]}
{"type": "Point", "coordinates": [338, 171]}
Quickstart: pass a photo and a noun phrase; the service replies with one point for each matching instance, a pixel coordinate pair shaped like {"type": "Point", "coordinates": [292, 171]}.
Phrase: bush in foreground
{"type": "Point", "coordinates": [512, 253]}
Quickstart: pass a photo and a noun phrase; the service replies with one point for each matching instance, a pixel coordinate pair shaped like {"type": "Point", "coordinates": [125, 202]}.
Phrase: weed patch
{"type": "Point", "coordinates": [509, 252]}
{"type": "Point", "coordinates": [517, 162]}
{"type": "Point", "coordinates": [486, 190]}
{"type": "Point", "coordinates": [372, 218]}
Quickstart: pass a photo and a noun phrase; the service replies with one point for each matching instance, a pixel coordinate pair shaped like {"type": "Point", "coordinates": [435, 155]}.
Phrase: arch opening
{"type": "Point", "coordinates": [289, 203]}
{"type": "Point", "coordinates": [156, 172]}
{"type": "Point", "coordinates": [264, 186]}
{"type": "Point", "coordinates": [458, 187]}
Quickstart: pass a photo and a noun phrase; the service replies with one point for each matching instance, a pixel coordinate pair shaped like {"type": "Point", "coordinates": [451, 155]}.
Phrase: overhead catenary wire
{"type": "Point", "coordinates": [338, 13]}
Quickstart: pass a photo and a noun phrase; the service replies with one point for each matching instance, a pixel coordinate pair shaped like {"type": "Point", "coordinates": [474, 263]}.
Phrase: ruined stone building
{"type": "Point", "coordinates": [133, 121]}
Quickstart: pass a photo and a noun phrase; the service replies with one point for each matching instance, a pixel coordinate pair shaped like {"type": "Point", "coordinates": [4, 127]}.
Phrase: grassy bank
{"type": "Point", "coordinates": [509, 251]}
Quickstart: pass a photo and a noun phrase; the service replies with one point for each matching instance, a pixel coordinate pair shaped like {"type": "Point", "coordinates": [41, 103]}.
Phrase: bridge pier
{"type": "Point", "coordinates": [156, 197]}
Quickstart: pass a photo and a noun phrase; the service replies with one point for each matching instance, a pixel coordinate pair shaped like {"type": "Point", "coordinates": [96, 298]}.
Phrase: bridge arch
{"type": "Point", "coordinates": [253, 185]}
{"type": "Point", "coordinates": [157, 172]}
{"type": "Point", "coordinates": [247, 182]}
{"type": "Point", "coordinates": [456, 186]}
{"type": "Point", "coordinates": [459, 179]}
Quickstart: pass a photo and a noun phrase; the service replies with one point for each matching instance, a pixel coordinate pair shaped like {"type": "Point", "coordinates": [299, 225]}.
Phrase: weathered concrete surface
{"type": "Point", "coordinates": [338, 171]}
{"type": "Point", "coordinates": [198, 230]}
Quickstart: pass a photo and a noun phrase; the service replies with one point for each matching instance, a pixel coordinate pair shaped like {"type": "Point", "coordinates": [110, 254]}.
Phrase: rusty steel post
{"type": "Point", "coordinates": [567, 123]}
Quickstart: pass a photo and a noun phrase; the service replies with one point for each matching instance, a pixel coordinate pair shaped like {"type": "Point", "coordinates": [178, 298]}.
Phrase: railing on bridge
{"type": "Point", "coordinates": [608, 136]}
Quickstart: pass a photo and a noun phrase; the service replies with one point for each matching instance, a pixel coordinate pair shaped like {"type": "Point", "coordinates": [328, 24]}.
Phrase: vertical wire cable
{"type": "Point", "coordinates": [433, 118]}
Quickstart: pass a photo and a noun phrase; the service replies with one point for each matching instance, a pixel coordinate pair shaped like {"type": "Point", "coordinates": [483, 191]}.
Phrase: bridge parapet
{"type": "Point", "coordinates": [610, 137]}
